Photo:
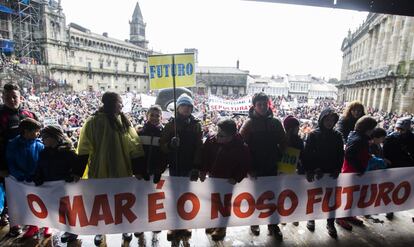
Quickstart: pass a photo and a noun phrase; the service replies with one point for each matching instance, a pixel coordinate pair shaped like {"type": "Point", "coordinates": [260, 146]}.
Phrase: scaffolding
{"type": "Point", "coordinates": [27, 30]}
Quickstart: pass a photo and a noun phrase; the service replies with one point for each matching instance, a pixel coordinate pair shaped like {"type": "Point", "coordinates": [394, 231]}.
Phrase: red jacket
{"type": "Point", "coordinates": [356, 153]}
{"type": "Point", "coordinates": [230, 160]}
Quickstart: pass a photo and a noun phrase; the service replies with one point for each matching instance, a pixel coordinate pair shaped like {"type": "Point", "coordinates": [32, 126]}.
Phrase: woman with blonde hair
{"type": "Point", "coordinates": [354, 111]}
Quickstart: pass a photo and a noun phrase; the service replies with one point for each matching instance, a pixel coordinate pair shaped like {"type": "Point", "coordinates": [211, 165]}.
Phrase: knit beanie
{"type": "Point", "coordinates": [290, 122]}
{"type": "Point", "coordinates": [184, 99]}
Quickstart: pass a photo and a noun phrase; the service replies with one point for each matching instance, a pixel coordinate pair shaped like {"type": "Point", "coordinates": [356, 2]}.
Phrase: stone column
{"type": "Point", "coordinates": [360, 94]}
{"type": "Point", "coordinates": [386, 41]}
{"type": "Point", "coordinates": [392, 54]}
{"type": "Point", "coordinates": [377, 98]}
{"type": "Point", "coordinates": [378, 45]}
{"type": "Point", "coordinates": [382, 99]}
{"type": "Point", "coordinates": [368, 103]}
{"type": "Point", "coordinates": [364, 96]}
{"type": "Point", "coordinates": [371, 54]}
{"type": "Point", "coordinates": [404, 38]}
{"type": "Point", "coordinates": [390, 100]}
{"type": "Point", "coordinates": [407, 98]}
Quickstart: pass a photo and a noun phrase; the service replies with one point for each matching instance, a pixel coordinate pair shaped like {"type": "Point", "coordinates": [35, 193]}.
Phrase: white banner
{"type": "Point", "coordinates": [233, 105]}
{"type": "Point", "coordinates": [128, 205]}
{"type": "Point", "coordinates": [147, 100]}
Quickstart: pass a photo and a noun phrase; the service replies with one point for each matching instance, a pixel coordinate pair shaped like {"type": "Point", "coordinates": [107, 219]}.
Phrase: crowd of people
{"type": "Point", "coordinates": [324, 137]}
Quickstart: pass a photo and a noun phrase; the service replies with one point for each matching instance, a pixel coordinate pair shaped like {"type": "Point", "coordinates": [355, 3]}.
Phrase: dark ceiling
{"type": "Point", "coordinates": [394, 7]}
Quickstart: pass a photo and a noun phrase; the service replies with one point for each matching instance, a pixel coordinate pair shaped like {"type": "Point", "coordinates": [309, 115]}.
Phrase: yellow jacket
{"type": "Point", "coordinates": [110, 151]}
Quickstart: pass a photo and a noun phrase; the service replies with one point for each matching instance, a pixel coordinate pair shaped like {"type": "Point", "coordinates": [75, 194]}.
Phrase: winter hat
{"type": "Point", "coordinates": [184, 99]}
{"type": "Point", "coordinates": [55, 132]}
{"type": "Point", "coordinates": [404, 123]}
{"type": "Point", "coordinates": [290, 122]}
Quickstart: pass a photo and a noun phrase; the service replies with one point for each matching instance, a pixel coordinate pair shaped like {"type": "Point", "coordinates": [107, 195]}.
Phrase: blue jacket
{"type": "Point", "coordinates": [22, 156]}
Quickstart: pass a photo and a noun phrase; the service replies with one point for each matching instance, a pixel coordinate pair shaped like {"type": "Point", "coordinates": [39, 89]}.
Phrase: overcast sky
{"type": "Point", "coordinates": [267, 38]}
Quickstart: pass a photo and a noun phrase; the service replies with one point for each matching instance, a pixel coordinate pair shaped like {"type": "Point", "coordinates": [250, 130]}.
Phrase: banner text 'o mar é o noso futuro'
{"type": "Point", "coordinates": [105, 206]}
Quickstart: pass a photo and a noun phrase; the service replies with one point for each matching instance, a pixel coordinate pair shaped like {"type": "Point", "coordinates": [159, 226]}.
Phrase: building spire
{"type": "Point", "coordinates": [137, 15]}
{"type": "Point", "coordinates": [137, 28]}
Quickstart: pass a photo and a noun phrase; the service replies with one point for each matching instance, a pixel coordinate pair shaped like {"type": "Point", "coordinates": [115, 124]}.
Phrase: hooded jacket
{"type": "Point", "coordinates": [266, 139]}
{"type": "Point", "coordinates": [399, 149]}
{"type": "Point", "coordinates": [356, 153]}
{"type": "Point", "coordinates": [111, 152]}
{"type": "Point", "coordinates": [188, 153]}
{"type": "Point", "coordinates": [324, 148]}
{"type": "Point", "coordinates": [22, 157]}
{"type": "Point", "coordinates": [230, 160]}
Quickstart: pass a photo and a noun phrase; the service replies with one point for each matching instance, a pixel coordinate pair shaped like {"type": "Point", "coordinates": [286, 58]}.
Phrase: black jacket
{"type": "Point", "coordinates": [399, 149]}
{"type": "Point", "coordinates": [266, 139]}
{"type": "Point", "coordinates": [57, 164]}
{"type": "Point", "coordinates": [324, 148]}
{"type": "Point", "coordinates": [345, 126]}
{"type": "Point", "coordinates": [188, 154]}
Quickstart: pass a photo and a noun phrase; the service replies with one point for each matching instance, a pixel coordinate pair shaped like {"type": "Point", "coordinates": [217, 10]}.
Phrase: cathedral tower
{"type": "Point", "coordinates": [137, 28]}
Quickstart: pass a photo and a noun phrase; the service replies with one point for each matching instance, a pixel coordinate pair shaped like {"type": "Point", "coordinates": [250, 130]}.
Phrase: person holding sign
{"type": "Point", "coordinates": [181, 141]}
{"type": "Point", "coordinates": [225, 156]}
{"type": "Point", "coordinates": [267, 141]}
{"type": "Point", "coordinates": [111, 145]}
{"type": "Point", "coordinates": [323, 153]}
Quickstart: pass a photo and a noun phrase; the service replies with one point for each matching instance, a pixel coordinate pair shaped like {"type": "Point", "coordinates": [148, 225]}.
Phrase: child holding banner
{"type": "Point", "coordinates": [323, 153]}
{"type": "Point", "coordinates": [58, 161]}
{"type": "Point", "coordinates": [225, 156]}
{"type": "Point", "coordinates": [357, 157]}
{"type": "Point", "coordinates": [22, 156]}
{"type": "Point", "coordinates": [290, 162]}
{"type": "Point", "coordinates": [155, 160]}
{"type": "Point", "coordinates": [267, 141]}
{"type": "Point", "coordinates": [183, 148]}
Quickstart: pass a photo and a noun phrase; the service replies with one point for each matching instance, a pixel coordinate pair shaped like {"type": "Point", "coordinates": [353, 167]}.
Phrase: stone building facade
{"type": "Point", "coordinates": [222, 81]}
{"type": "Point", "coordinates": [296, 86]}
{"type": "Point", "coordinates": [378, 64]}
{"type": "Point", "coordinates": [75, 57]}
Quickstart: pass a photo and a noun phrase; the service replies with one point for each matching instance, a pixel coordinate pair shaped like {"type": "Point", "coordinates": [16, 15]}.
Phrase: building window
{"type": "Point", "coordinates": [101, 65]}
{"type": "Point", "coordinates": [127, 67]}
{"type": "Point", "coordinates": [135, 68]}
{"type": "Point", "coordinates": [213, 90]}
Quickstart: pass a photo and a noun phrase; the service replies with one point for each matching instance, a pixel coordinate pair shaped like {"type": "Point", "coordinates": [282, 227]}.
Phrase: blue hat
{"type": "Point", "coordinates": [184, 99]}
